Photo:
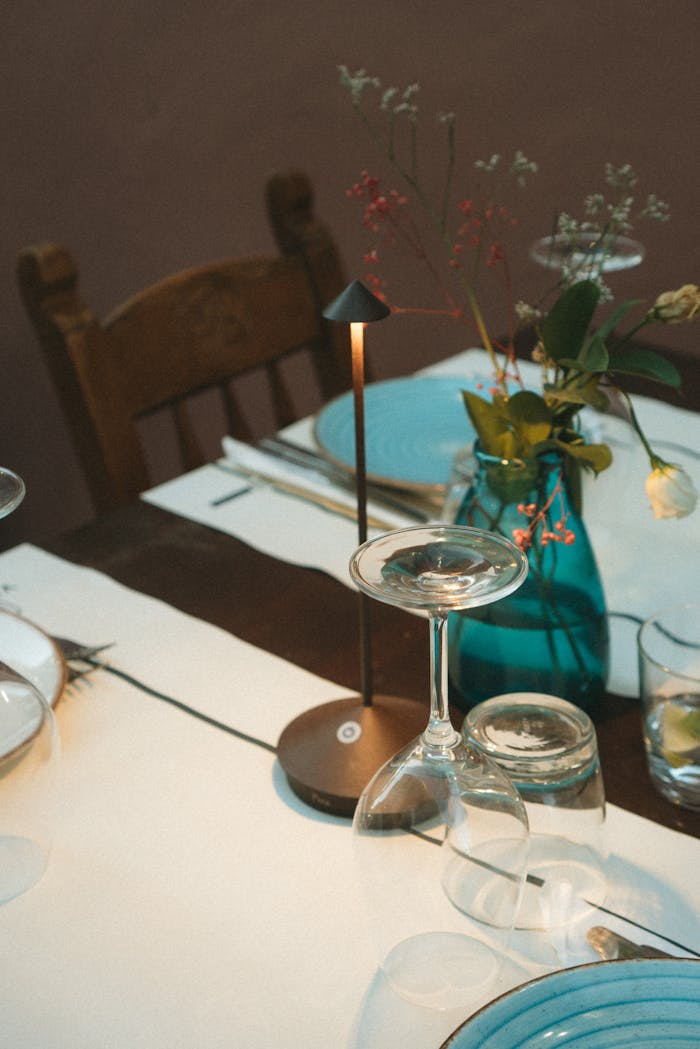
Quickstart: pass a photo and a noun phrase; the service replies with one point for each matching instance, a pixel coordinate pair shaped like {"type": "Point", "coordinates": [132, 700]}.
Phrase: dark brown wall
{"type": "Point", "coordinates": [139, 135]}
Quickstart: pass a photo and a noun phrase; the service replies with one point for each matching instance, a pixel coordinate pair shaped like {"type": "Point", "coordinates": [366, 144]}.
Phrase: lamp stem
{"type": "Point", "coordinates": [358, 387]}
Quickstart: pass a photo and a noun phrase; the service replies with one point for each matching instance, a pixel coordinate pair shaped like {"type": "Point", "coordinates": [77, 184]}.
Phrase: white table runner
{"type": "Point", "coordinates": [191, 900]}
{"type": "Point", "coordinates": [645, 564]}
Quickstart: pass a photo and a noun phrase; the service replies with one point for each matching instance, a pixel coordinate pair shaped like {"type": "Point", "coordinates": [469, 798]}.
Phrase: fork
{"type": "Point", "coordinates": [75, 651]}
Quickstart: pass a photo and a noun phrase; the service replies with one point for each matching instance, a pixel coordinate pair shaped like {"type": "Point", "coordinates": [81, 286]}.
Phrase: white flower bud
{"type": "Point", "coordinates": [676, 306]}
{"type": "Point", "coordinates": [671, 491]}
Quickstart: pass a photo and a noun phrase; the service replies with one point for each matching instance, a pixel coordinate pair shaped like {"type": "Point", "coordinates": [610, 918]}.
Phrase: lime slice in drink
{"type": "Point", "coordinates": [680, 733]}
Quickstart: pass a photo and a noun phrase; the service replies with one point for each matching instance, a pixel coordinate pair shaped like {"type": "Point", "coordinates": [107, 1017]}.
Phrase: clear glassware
{"type": "Point", "coordinates": [582, 256]}
{"type": "Point", "coordinates": [440, 832]}
{"type": "Point", "coordinates": [29, 749]}
{"type": "Point", "coordinates": [669, 681]}
{"type": "Point", "coordinates": [12, 491]}
{"type": "Point", "coordinates": [548, 748]}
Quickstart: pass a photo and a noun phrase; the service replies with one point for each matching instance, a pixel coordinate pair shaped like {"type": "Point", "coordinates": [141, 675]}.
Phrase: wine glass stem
{"type": "Point", "coordinates": [439, 731]}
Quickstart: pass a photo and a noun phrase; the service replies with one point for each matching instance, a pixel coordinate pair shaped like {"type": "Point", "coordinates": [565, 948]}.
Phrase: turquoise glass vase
{"type": "Point", "coordinates": [551, 635]}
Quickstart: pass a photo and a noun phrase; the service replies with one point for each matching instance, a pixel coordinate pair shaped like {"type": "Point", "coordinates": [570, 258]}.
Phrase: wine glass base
{"type": "Point", "coordinates": [330, 753]}
{"type": "Point", "coordinates": [440, 970]}
{"type": "Point", "coordinates": [22, 865]}
{"type": "Point", "coordinates": [566, 883]}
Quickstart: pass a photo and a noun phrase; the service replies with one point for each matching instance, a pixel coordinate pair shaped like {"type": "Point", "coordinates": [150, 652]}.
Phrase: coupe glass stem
{"type": "Point", "coordinates": [439, 732]}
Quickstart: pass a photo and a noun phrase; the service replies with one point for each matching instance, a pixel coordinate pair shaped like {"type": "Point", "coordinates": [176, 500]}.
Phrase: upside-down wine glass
{"type": "Point", "coordinates": [29, 749]}
{"type": "Point", "coordinates": [440, 832]}
{"type": "Point", "coordinates": [12, 491]}
{"type": "Point", "coordinates": [587, 255]}
{"type": "Point", "coordinates": [28, 753]}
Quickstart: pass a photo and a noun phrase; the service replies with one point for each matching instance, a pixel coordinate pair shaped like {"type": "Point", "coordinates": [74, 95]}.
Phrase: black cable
{"type": "Point", "coordinates": [182, 706]}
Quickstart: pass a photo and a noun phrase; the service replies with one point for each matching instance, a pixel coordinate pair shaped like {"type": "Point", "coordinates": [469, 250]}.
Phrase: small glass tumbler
{"type": "Point", "coordinates": [669, 679]}
{"type": "Point", "coordinates": [548, 748]}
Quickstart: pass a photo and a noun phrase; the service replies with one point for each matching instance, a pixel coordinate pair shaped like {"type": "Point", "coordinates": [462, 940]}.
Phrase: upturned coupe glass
{"type": "Point", "coordinates": [28, 754]}
{"type": "Point", "coordinates": [440, 832]}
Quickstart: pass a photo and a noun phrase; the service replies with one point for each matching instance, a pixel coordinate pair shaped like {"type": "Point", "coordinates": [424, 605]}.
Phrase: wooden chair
{"type": "Point", "coordinates": [195, 331]}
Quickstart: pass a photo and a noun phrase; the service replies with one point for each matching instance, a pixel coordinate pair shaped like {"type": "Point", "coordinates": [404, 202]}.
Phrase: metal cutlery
{"type": "Point", "coordinates": [335, 506]}
{"type": "Point", "coordinates": [75, 652]}
{"type": "Point", "coordinates": [298, 455]}
{"type": "Point", "coordinates": [611, 946]}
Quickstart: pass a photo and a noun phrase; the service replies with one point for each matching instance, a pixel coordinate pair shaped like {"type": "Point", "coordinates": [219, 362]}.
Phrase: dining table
{"type": "Point", "coordinates": [192, 898]}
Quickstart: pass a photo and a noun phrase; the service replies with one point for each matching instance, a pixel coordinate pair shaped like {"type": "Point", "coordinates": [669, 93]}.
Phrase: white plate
{"type": "Point", "coordinates": [31, 652]}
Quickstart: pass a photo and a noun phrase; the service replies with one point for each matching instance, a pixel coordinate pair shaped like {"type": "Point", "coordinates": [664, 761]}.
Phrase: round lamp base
{"type": "Point", "coordinates": [330, 753]}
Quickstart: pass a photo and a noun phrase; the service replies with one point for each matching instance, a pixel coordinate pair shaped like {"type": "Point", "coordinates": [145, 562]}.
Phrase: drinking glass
{"type": "Point", "coordinates": [669, 674]}
{"type": "Point", "coordinates": [440, 833]}
{"type": "Point", "coordinates": [28, 756]}
{"type": "Point", "coordinates": [548, 747]}
{"type": "Point", "coordinates": [29, 748]}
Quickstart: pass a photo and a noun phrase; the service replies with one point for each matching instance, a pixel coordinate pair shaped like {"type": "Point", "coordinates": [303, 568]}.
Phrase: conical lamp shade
{"type": "Point", "coordinates": [355, 304]}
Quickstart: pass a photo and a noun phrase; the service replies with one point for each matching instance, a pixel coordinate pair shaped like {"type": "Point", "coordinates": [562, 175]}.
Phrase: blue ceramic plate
{"type": "Point", "coordinates": [413, 429]}
{"type": "Point", "coordinates": [643, 1003]}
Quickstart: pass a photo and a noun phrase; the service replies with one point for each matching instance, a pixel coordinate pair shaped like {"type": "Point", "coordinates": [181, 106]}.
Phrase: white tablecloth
{"type": "Point", "coordinates": [191, 900]}
{"type": "Point", "coordinates": [645, 564]}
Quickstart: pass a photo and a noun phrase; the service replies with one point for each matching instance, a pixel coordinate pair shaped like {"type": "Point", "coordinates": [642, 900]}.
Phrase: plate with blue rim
{"type": "Point", "coordinates": [648, 1003]}
{"type": "Point", "coordinates": [414, 427]}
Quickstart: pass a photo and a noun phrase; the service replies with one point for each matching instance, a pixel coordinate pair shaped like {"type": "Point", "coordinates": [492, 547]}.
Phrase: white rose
{"type": "Point", "coordinates": [676, 306]}
{"type": "Point", "coordinates": [670, 491]}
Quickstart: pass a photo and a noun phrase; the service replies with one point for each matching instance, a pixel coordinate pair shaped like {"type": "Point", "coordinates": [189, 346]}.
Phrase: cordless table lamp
{"type": "Point", "coordinates": [330, 753]}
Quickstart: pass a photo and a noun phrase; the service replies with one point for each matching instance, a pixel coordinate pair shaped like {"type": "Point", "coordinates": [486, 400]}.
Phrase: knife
{"type": "Point", "coordinates": [297, 454]}
{"type": "Point", "coordinates": [611, 946]}
{"type": "Point", "coordinates": [332, 505]}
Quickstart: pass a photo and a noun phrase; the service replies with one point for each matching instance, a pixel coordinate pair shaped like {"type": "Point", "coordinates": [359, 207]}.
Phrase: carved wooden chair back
{"type": "Point", "coordinates": [195, 331]}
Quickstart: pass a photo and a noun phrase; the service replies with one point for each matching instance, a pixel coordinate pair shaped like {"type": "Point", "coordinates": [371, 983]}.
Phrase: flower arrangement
{"type": "Point", "coordinates": [581, 365]}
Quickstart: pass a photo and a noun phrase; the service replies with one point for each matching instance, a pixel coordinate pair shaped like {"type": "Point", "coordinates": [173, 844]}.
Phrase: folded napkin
{"type": "Point", "coordinates": [189, 883]}
{"type": "Point", "coordinates": [252, 460]}
{"type": "Point", "coordinates": [276, 523]}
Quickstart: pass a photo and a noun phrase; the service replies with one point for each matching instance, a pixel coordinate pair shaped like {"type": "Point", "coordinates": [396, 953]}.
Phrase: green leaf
{"type": "Point", "coordinates": [641, 361]}
{"type": "Point", "coordinates": [530, 415]}
{"type": "Point", "coordinates": [608, 326]}
{"type": "Point", "coordinates": [594, 356]}
{"type": "Point", "coordinates": [488, 421]}
{"type": "Point", "coordinates": [588, 394]}
{"type": "Point", "coordinates": [566, 325]}
{"type": "Point", "coordinates": [570, 364]}
{"type": "Point", "coordinates": [595, 457]}
{"type": "Point", "coordinates": [527, 405]}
